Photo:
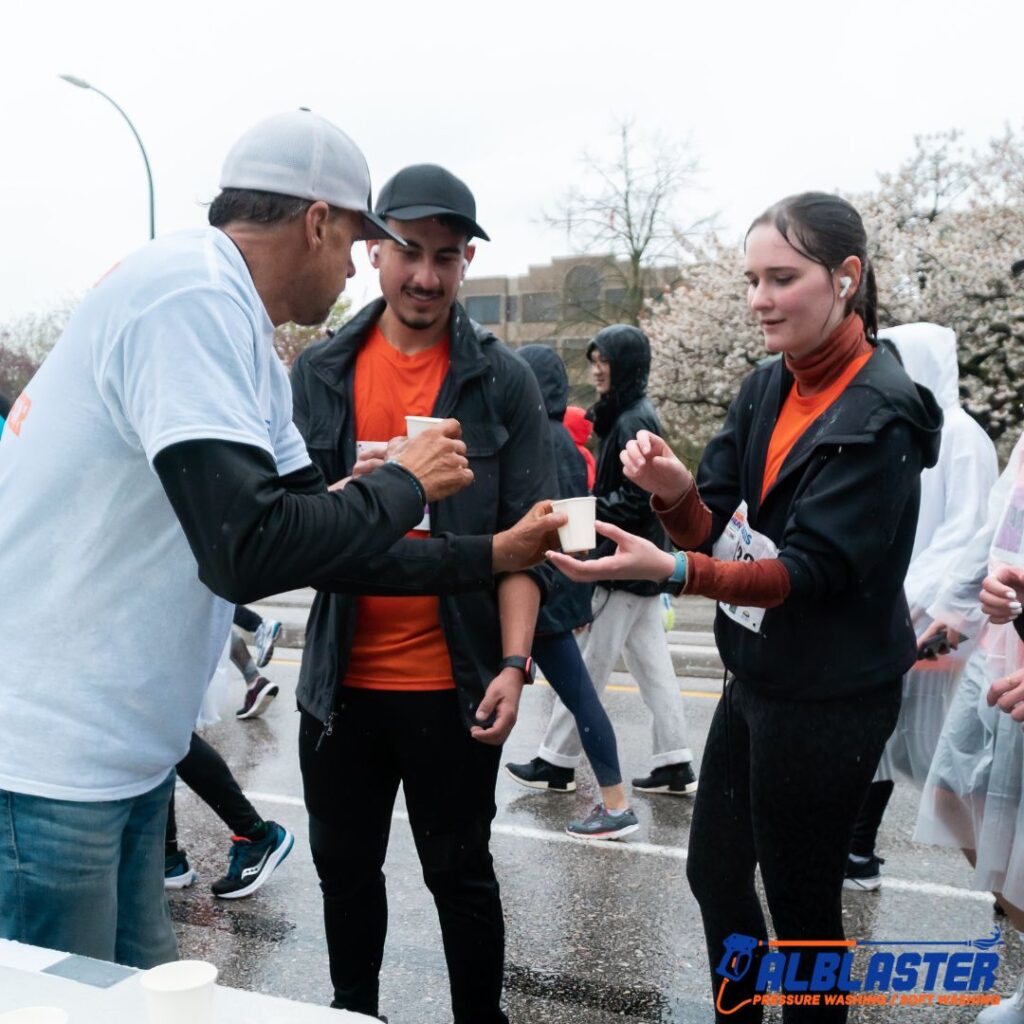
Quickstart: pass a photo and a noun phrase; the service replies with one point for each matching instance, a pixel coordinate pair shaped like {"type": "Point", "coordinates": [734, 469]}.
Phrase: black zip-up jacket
{"type": "Point", "coordinates": [843, 514]}
{"type": "Point", "coordinates": [567, 605]}
{"type": "Point", "coordinates": [617, 417]}
{"type": "Point", "coordinates": [490, 391]}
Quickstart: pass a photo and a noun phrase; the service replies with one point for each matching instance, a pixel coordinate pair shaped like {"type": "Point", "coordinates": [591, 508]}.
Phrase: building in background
{"type": "Point", "coordinates": [562, 304]}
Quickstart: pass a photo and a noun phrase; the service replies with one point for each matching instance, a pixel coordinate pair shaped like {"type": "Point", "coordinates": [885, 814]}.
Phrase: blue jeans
{"type": "Point", "coordinates": [87, 878]}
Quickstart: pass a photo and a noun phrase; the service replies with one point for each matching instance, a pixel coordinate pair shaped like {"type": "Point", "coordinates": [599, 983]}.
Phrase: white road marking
{"type": "Point", "coordinates": [654, 850]}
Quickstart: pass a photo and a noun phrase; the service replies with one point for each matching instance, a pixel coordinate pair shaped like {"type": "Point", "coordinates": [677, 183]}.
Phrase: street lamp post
{"type": "Point", "coordinates": [82, 84]}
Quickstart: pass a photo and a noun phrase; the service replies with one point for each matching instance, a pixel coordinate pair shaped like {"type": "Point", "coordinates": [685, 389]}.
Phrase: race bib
{"type": "Point", "coordinates": [740, 543]}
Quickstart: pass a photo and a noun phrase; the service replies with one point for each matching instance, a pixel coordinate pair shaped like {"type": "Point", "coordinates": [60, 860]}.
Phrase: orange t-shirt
{"type": "Point", "coordinates": [398, 643]}
{"type": "Point", "coordinates": [798, 413]}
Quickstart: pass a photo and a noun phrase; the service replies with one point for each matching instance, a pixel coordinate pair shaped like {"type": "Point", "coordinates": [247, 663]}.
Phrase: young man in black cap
{"type": "Point", "coordinates": [398, 685]}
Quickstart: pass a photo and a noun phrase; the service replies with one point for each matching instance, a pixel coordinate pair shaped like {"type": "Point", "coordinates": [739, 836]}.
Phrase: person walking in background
{"type": "Point", "coordinates": [257, 847]}
{"type": "Point", "coordinates": [566, 609]}
{"type": "Point", "coordinates": [259, 691]}
{"type": "Point", "coordinates": [801, 525]}
{"type": "Point", "coordinates": [954, 501]}
{"type": "Point", "coordinates": [580, 429]}
{"type": "Point", "coordinates": [627, 615]}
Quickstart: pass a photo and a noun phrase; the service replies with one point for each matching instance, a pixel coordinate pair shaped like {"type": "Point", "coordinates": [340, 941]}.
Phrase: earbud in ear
{"type": "Point", "coordinates": [465, 267]}
{"type": "Point", "coordinates": [845, 282]}
{"type": "Point", "coordinates": [374, 254]}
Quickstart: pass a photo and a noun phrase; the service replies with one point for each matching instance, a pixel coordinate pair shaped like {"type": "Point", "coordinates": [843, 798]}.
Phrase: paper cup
{"type": "Point", "coordinates": [35, 1015]}
{"type": "Point", "coordinates": [180, 992]}
{"type": "Point", "coordinates": [415, 425]}
{"type": "Point", "coordinates": [579, 533]}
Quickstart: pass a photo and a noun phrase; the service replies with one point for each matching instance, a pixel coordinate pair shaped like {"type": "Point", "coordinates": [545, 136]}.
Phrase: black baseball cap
{"type": "Point", "coordinates": [427, 190]}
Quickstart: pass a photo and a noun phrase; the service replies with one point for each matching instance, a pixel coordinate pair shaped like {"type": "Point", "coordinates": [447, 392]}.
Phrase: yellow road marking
{"type": "Point", "coordinates": [615, 687]}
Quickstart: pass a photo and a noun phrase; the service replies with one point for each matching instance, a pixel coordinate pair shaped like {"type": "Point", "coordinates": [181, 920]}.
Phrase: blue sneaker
{"type": "Point", "coordinates": [252, 862]}
{"type": "Point", "coordinates": [178, 874]}
{"type": "Point", "coordinates": [599, 824]}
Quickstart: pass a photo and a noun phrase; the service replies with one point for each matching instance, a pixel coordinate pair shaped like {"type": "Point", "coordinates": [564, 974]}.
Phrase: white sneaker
{"type": "Point", "coordinates": [1009, 1011]}
{"type": "Point", "coordinates": [265, 637]}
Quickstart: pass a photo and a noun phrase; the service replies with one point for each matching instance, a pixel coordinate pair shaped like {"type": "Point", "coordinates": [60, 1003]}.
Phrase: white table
{"type": "Point", "coordinates": [108, 994]}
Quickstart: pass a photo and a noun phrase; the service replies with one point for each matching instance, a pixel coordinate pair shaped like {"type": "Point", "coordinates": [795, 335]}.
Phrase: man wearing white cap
{"type": "Point", "coordinates": [157, 440]}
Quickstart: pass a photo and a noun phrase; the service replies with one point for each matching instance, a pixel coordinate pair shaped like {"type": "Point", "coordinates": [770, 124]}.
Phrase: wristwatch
{"type": "Point", "coordinates": [525, 665]}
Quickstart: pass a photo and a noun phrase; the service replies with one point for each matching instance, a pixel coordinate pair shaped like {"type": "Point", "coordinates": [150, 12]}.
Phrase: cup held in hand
{"type": "Point", "coordinates": [415, 425]}
{"type": "Point", "coordinates": [579, 533]}
{"type": "Point", "coordinates": [180, 991]}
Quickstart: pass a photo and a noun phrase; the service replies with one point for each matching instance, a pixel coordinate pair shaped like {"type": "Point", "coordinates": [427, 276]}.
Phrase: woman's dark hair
{"type": "Point", "coordinates": [254, 206]}
{"type": "Point", "coordinates": [827, 229]}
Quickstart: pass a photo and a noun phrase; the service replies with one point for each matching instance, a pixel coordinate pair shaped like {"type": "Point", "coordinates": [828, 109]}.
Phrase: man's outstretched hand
{"type": "Point", "coordinates": [527, 542]}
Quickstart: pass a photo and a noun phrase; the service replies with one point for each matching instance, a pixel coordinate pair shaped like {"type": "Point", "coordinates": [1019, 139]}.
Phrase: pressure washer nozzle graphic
{"type": "Point", "coordinates": [736, 960]}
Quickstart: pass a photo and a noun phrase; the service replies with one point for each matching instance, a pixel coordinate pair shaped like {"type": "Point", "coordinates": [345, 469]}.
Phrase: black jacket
{"type": "Point", "coordinates": [617, 417]}
{"type": "Point", "coordinates": [497, 401]}
{"type": "Point", "coordinates": [568, 604]}
{"type": "Point", "coordinates": [843, 513]}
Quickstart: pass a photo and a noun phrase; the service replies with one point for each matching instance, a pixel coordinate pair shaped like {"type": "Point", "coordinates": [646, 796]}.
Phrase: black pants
{"type": "Point", "coordinates": [381, 739]}
{"type": "Point", "coordinates": [206, 773]}
{"type": "Point", "coordinates": [246, 618]}
{"type": "Point", "coordinates": [781, 783]}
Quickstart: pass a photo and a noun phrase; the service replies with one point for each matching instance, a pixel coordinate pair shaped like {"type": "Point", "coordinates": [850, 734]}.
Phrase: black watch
{"type": "Point", "coordinates": [525, 665]}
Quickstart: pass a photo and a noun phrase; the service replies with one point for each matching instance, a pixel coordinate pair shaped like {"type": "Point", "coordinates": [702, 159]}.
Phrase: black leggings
{"type": "Point", "coordinates": [781, 783]}
{"type": "Point", "coordinates": [206, 773]}
{"type": "Point", "coordinates": [247, 619]}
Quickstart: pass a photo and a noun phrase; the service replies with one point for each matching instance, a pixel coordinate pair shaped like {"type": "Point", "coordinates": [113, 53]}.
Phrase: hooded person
{"type": "Point", "coordinates": [567, 609]}
{"type": "Point", "coordinates": [627, 613]}
{"type": "Point", "coordinates": [954, 499]}
{"type": "Point", "coordinates": [580, 429]}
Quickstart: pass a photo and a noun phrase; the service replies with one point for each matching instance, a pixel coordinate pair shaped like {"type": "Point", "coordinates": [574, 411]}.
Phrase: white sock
{"type": "Point", "coordinates": [859, 860]}
{"type": "Point", "coordinates": [617, 812]}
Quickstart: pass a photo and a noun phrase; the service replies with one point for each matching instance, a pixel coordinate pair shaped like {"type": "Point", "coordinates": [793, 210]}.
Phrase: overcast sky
{"type": "Point", "coordinates": [773, 97]}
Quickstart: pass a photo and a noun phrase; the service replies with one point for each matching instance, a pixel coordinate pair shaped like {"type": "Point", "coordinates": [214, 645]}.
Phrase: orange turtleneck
{"type": "Point", "coordinates": [819, 380]}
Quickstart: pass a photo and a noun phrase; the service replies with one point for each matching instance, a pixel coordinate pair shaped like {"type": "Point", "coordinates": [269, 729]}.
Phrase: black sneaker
{"type": "Point", "coordinates": [178, 873]}
{"type": "Point", "coordinates": [253, 862]}
{"type": "Point", "coordinates": [541, 774]}
{"type": "Point", "coordinates": [669, 780]}
{"type": "Point", "coordinates": [866, 876]}
{"type": "Point", "coordinates": [257, 698]}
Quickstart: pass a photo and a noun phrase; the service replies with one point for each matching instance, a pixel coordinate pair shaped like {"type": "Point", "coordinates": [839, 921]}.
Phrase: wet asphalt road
{"type": "Point", "coordinates": [596, 933]}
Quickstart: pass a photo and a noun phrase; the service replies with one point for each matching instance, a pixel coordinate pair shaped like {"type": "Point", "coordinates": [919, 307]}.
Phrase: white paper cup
{"type": "Point", "coordinates": [180, 992]}
{"type": "Point", "coordinates": [415, 425]}
{"type": "Point", "coordinates": [35, 1015]}
{"type": "Point", "coordinates": [579, 533]}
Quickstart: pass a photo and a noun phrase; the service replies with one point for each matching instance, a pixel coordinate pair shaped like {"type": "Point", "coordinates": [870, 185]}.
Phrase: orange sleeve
{"type": "Point", "coordinates": [760, 584]}
{"type": "Point", "coordinates": [687, 522]}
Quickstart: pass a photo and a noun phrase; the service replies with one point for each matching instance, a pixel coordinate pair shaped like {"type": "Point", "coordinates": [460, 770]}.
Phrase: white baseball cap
{"type": "Point", "coordinates": [302, 154]}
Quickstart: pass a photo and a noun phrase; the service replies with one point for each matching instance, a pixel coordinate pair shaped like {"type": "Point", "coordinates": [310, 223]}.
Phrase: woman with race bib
{"type": "Point", "coordinates": [801, 525]}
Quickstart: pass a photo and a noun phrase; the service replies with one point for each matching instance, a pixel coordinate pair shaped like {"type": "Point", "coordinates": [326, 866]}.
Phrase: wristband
{"type": "Point", "coordinates": [679, 572]}
{"type": "Point", "coordinates": [412, 476]}
{"type": "Point", "coordinates": [525, 665]}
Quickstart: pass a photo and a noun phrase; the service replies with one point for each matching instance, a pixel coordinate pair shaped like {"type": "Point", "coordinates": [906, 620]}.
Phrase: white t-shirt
{"type": "Point", "coordinates": [108, 637]}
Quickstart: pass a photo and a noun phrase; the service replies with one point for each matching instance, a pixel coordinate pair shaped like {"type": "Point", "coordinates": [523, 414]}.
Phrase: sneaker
{"type": "Point", "coordinates": [178, 874]}
{"type": "Point", "coordinates": [252, 862]}
{"type": "Point", "coordinates": [265, 637]}
{"type": "Point", "coordinates": [1008, 1011]}
{"type": "Point", "coordinates": [541, 774]}
{"type": "Point", "coordinates": [257, 698]}
{"type": "Point", "coordinates": [599, 824]}
{"type": "Point", "coordinates": [866, 876]}
{"type": "Point", "coordinates": [670, 779]}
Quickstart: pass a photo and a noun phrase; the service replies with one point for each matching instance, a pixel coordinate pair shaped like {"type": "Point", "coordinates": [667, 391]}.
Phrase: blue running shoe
{"type": "Point", "coordinates": [599, 824]}
{"type": "Point", "coordinates": [252, 862]}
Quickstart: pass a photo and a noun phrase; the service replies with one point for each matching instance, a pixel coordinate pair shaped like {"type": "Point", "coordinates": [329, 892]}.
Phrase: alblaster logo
{"type": "Point", "coordinates": [810, 973]}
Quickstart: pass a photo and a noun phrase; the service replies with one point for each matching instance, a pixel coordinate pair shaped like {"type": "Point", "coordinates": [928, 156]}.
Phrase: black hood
{"type": "Point", "coordinates": [628, 352]}
{"type": "Point", "coordinates": [549, 370]}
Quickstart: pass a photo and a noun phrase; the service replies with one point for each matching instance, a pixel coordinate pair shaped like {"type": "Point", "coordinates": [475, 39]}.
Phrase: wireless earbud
{"type": "Point", "coordinates": [845, 282]}
{"type": "Point", "coordinates": [465, 267]}
{"type": "Point", "coordinates": [374, 254]}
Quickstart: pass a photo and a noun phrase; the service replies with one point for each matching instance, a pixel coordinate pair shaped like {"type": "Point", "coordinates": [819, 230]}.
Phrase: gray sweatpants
{"type": "Point", "coordinates": [631, 625]}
